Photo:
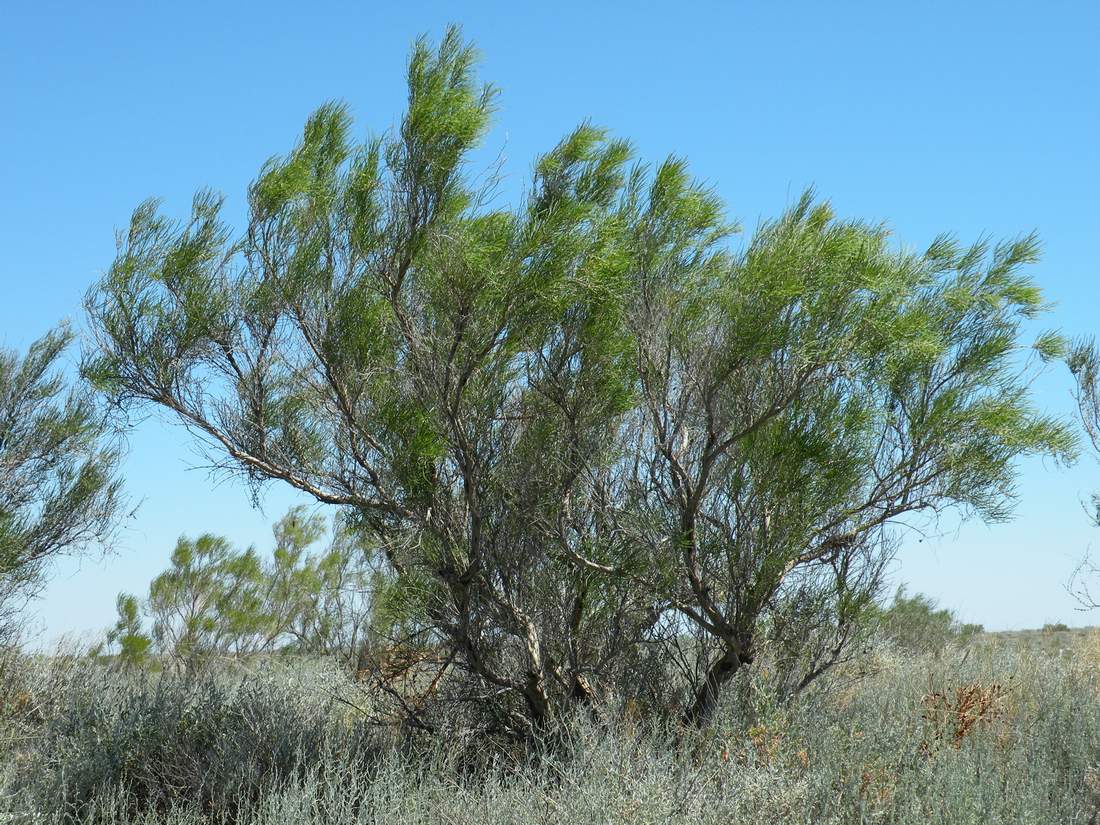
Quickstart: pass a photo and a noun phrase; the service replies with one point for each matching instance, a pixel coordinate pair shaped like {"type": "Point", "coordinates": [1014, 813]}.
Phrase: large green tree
{"type": "Point", "coordinates": [590, 422]}
{"type": "Point", "coordinates": [800, 397]}
{"type": "Point", "coordinates": [382, 340]}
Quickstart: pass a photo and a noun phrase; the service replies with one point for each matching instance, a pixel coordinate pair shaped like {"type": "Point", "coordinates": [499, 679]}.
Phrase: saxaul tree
{"type": "Point", "coordinates": [588, 422]}
{"type": "Point", "coordinates": [1084, 363]}
{"type": "Point", "coordinates": [800, 397]}
{"type": "Point", "coordinates": [379, 339]}
{"type": "Point", "coordinates": [218, 601]}
{"type": "Point", "coordinates": [59, 491]}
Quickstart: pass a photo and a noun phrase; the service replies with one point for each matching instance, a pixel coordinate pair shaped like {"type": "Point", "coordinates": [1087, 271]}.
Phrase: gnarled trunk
{"type": "Point", "coordinates": [539, 709]}
{"type": "Point", "coordinates": [701, 711]}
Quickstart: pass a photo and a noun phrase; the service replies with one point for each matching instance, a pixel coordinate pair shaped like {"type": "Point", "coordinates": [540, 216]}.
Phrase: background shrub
{"type": "Point", "coordinates": [916, 623]}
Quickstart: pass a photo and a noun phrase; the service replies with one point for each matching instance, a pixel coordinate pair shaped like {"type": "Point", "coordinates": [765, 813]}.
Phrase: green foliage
{"type": "Point", "coordinates": [1083, 360]}
{"type": "Point", "coordinates": [133, 644]}
{"type": "Point", "coordinates": [58, 489]}
{"type": "Point", "coordinates": [588, 421]}
{"type": "Point", "coordinates": [217, 601]}
{"type": "Point", "coordinates": [916, 624]}
{"type": "Point", "coordinates": [59, 492]}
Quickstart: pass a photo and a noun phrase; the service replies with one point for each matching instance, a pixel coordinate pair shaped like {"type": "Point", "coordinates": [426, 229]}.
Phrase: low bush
{"type": "Point", "coordinates": [156, 742]}
{"type": "Point", "coordinates": [988, 735]}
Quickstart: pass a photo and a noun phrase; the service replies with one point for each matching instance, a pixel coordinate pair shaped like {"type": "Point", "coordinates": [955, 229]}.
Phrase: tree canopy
{"type": "Point", "coordinates": [590, 425]}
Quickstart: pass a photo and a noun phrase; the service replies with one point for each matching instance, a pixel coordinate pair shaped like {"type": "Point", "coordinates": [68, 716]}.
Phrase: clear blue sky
{"type": "Point", "coordinates": [977, 117]}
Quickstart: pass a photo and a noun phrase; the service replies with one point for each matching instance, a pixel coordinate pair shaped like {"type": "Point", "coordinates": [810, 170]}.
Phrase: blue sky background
{"type": "Point", "coordinates": [978, 117]}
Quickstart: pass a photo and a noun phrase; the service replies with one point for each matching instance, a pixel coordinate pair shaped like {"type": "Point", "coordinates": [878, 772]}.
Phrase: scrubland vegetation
{"type": "Point", "coordinates": [983, 734]}
{"type": "Point", "coordinates": [606, 498]}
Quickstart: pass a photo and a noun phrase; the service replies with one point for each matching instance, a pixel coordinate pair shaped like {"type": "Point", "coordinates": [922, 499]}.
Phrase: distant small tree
{"type": "Point", "coordinates": [207, 602]}
{"type": "Point", "coordinates": [59, 492]}
{"type": "Point", "coordinates": [217, 601]}
{"type": "Point", "coordinates": [133, 644]}
{"type": "Point", "coordinates": [334, 602]}
{"type": "Point", "coordinates": [916, 623]}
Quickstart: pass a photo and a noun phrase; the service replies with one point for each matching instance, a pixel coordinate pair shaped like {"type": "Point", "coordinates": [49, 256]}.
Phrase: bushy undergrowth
{"type": "Point", "coordinates": [978, 735]}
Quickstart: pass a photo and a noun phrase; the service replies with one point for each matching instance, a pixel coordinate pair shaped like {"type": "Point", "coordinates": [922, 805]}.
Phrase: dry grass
{"type": "Point", "coordinates": [996, 734]}
{"type": "Point", "coordinates": [953, 715]}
